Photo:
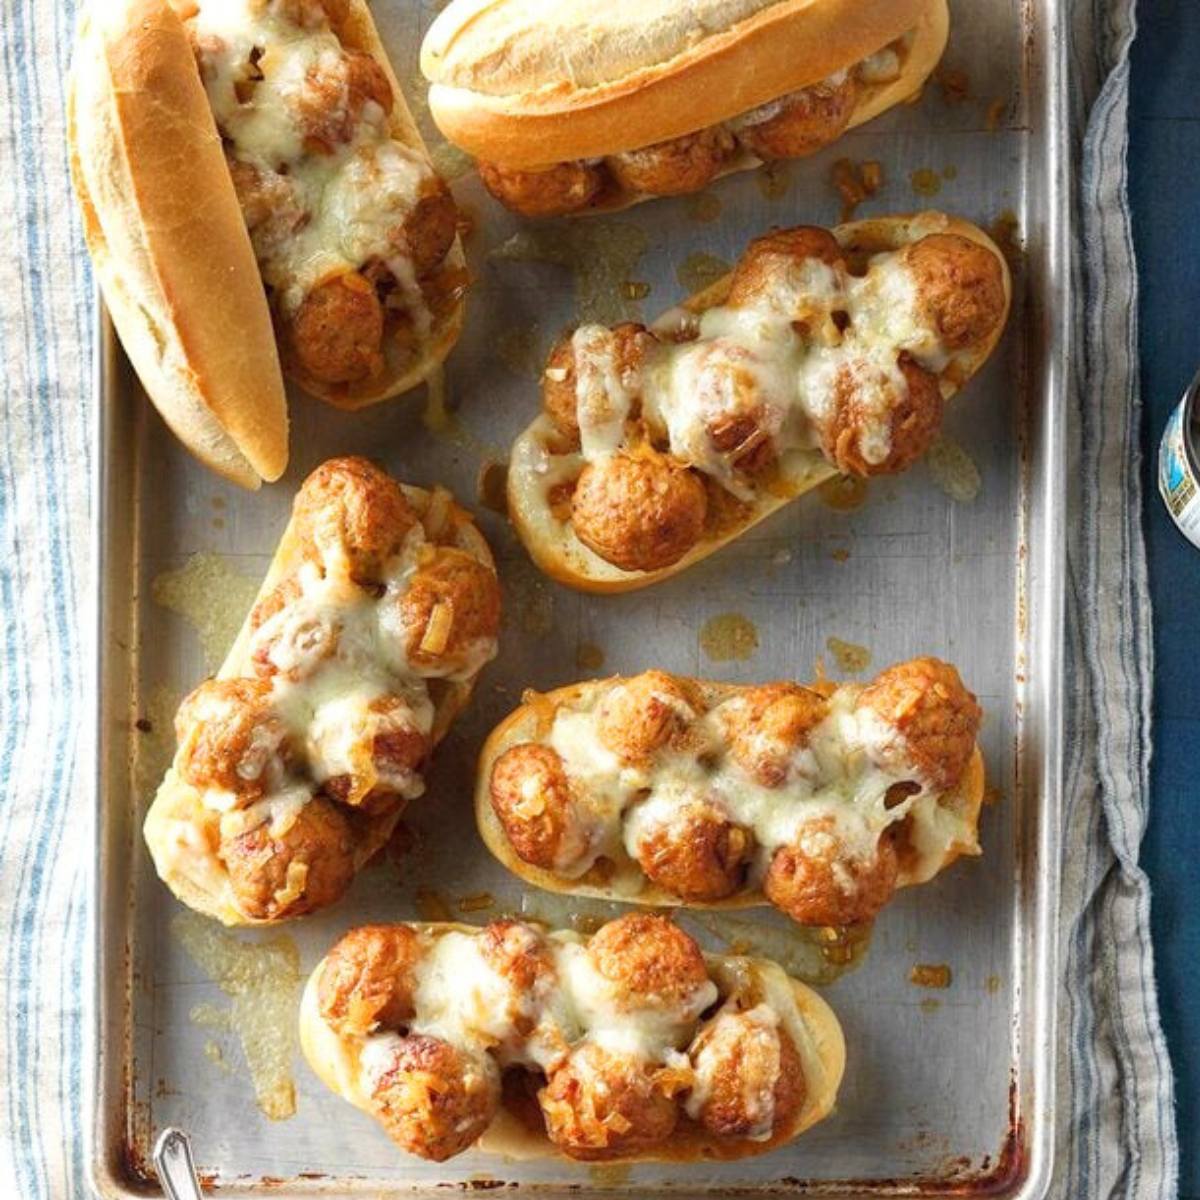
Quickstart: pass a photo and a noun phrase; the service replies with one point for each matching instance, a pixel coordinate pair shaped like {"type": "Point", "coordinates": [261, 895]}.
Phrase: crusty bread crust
{"type": "Point", "coordinates": [559, 552]}
{"type": "Point", "coordinates": [168, 241]}
{"type": "Point", "coordinates": [522, 725]}
{"type": "Point", "coordinates": [334, 1059]}
{"type": "Point", "coordinates": [200, 880]}
{"type": "Point", "coordinates": [501, 92]}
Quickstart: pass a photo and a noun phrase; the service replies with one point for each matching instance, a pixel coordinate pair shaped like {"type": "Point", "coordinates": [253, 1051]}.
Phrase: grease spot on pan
{"type": "Point", "coordinates": [700, 270]}
{"type": "Point", "coordinates": [601, 255]}
{"type": "Point", "coordinates": [844, 493]}
{"type": "Point", "coordinates": [729, 637]}
{"type": "Point", "coordinates": [211, 596]}
{"type": "Point", "coordinates": [262, 981]}
{"type": "Point", "coordinates": [953, 470]}
{"type": "Point", "coordinates": [849, 656]}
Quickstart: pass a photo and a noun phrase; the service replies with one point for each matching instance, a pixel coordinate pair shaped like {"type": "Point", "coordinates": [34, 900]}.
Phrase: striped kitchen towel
{"type": "Point", "coordinates": [1116, 1130]}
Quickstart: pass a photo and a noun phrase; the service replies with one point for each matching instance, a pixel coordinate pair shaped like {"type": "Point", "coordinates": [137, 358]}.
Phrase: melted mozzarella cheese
{"type": "Point", "coordinates": [611, 1021]}
{"type": "Point", "coordinates": [838, 779]}
{"type": "Point", "coordinates": [460, 998]}
{"type": "Point", "coordinates": [727, 1030]}
{"type": "Point", "coordinates": [353, 198]}
{"type": "Point", "coordinates": [780, 363]}
{"type": "Point", "coordinates": [602, 399]}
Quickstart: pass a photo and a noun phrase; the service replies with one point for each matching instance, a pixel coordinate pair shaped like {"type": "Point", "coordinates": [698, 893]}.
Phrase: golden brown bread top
{"type": "Point", "coordinates": [168, 240]}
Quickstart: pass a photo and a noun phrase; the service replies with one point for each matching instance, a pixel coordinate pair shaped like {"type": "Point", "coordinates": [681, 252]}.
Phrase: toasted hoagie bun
{"type": "Point", "coordinates": [528, 1043]}
{"type": "Point", "coordinates": [379, 609]}
{"type": "Point", "coordinates": [585, 88]}
{"type": "Point", "coordinates": [667, 790]}
{"type": "Point", "coordinates": [168, 242]}
{"type": "Point", "coordinates": [823, 351]}
{"type": "Point", "coordinates": [191, 121]}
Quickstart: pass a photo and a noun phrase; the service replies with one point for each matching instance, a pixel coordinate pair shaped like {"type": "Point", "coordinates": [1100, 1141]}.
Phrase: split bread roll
{"type": "Point", "coordinates": [630, 1045]}
{"type": "Point", "coordinates": [823, 352]}
{"type": "Point", "coordinates": [220, 149]}
{"type": "Point", "coordinates": [585, 106]}
{"type": "Point", "coordinates": [379, 610]}
{"type": "Point", "coordinates": [665, 790]}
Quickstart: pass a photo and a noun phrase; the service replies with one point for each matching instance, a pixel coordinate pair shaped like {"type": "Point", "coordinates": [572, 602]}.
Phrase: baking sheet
{"type": "Point", "coordinates": [947, 1089]}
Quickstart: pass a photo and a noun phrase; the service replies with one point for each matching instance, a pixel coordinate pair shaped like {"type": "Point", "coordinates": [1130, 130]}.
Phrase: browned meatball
{"type": "Point", "coordinates": [294, 866]}
{"type": "Point", "coordinates": [368, 980]}
{"type": "Point", "coordinates": [534, 802]}
{"type": "Point", "coordinates": [775, 257]}
{"type": "Point", "coordinates": [639, 715]}
{"type": "Point", "coordinates": [683, 164]}
{"type": "Point", "coordinates": [753, 1081]}
{"type": "Point", "coordinates": [694, 851]}
{"type": "Point", "coordinates": [551, 192]}
{"type": "Point", "coordinates": [650, 963]}
{"type": "Point", "coordinates": [449, 613]}
{"type": "Point", "coordinates": [337, 332]}
{"type": "Point", "coordinates": [768, 726]}
{"type": "Point", "coordinates": [271, 204]}
{"type": "Point", "coordinates": [351, 514]}
{"type": "Point", "coordinates": [601, 1105]}
{"type": "Point", "coordinates": [640, 511]}
{"type": "Point", "coordinates": [961, 287]}
{"type": "Point", "coordinates": [629, 342]}
{"type": "Point", "coordinates": [801, 123]}
{"type": "Point", "coordinates": [435, 1099]}
{"type": "Point", "coordinates": [819, 881]}
{"type": "Point", "coordinates": [335, 92]}
{"type": "Point", "coordinates": [386, 755]}
{"type": "Point", "coordinates": [518, 952]}
{"type": "Point", "coordinates": [297, 645]}
{"type": "Point", "coordinates": [875, 428]}
{"type": "Point", "coordinates": [429, 230]}
{"type": "Point", "coordinates": [230, 736]}
{"type": "Point", "coordinates": [934, 717]}
{"type": "Point", "coordinates": [743, 418]}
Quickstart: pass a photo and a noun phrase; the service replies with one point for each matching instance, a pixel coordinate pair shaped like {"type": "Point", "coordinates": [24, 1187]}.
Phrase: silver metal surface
{"type": "Point", "coordinates": [945, 1090]}
{"type": "Point", "coordinates": [173, 1162]}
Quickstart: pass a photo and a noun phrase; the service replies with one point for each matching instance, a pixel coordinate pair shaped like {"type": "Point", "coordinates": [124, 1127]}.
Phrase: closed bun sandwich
{"type": "Point", "coordinates": [579, 106]}
{"type": "Point", "coordinates": [255, 193]}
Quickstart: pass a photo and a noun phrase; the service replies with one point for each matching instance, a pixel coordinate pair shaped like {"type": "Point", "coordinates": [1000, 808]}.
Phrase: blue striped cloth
{"type": "Point", "coordinates": [1116, 1128]}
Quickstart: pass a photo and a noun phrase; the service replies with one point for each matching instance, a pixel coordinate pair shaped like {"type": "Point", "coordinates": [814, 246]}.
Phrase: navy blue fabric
{"type": "Point", "coordinates": [1165, 200]}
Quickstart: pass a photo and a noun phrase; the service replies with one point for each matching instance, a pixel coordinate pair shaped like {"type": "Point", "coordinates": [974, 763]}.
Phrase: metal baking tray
{"type": "Point", "coordinates": [947, 1090]}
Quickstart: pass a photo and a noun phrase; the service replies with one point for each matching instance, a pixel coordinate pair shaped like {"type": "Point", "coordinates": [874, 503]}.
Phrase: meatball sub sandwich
{"type": "Point", "coordinates": [254, 189]}
{"type": "Point", "coordinates": [377, 614]}
{"type": "Point", "coordinates": [820, 800]}
{"type": "Point", "coordinates": [576, 106]}
{"type": "Point", "coordinates": [631, 1044]}
{"type": "Point", "coordinates": [824, 351]}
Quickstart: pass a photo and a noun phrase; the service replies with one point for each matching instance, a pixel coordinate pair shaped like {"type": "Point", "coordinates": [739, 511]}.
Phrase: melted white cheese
{"type": "Point", "coordinates": [842, 773]}
{"type": "Point", "coordinates": [602, 397]}
{"type": "Point", "coordinates": [783, 361]}
{"type": "Point", "coordinates": [354, 198]}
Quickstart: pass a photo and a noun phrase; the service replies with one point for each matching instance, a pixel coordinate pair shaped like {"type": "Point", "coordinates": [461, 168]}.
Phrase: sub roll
{"type": "Point", "coordinates": [821, 800]}
{"type": "Point", "coordinates": [255, 191]}
{"type": "Point", "coordinates": [294, 764]}
{"type": "Point", "coordinates": [628, 1045]}
{"type": "Point", "coordinates": [823, 352]}
{"type": "Point", "coordinates": [586, 106]}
